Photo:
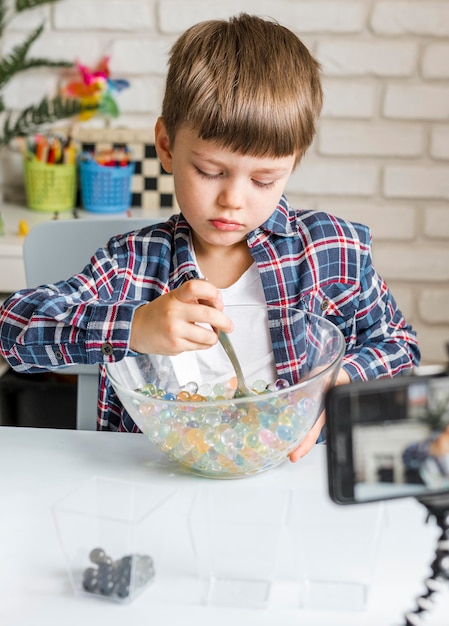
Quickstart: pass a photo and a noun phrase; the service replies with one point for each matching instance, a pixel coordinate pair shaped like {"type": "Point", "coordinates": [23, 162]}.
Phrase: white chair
{"type": "Point", "coordinates": [57, 249]}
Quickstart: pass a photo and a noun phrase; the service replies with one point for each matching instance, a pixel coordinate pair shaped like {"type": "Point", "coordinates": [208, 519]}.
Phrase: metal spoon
{"type": "Point", "coordinates": [242, 388]}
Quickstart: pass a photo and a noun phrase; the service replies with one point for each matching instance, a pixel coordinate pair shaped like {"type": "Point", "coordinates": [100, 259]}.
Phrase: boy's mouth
{"type": "Point", "coordinates": [225, 225]}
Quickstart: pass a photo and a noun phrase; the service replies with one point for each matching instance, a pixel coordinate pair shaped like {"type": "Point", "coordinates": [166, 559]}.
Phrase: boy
{"type": "Point", "coordinates": [240, 107]}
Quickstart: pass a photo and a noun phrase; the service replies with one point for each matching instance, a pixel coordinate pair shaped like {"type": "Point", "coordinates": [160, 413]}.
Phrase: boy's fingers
{"type": "Point", "coordinates": [309, 440]}
{"type": "Point", "coordinates": [199, 291]}
{"type": "Point", "coordinates": [207, 304]}
{"type": "Point", "coordinates": [209, 317]}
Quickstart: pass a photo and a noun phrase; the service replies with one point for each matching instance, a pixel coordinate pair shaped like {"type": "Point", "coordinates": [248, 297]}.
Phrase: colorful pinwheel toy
{"type": "Point", "coordinates": [94, 89]}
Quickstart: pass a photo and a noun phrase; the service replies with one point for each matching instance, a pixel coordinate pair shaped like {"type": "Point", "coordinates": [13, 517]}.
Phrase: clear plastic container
{"type": "Point", "coordinates": [106, 532]}
{"type": "Point", "coordinates": [236, 540]}
{"type": "Point", "coordinates": [335, 550]}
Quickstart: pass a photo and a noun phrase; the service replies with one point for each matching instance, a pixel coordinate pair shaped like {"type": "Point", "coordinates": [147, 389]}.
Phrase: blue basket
{"type": "Point", "coordinates": [105, 189]}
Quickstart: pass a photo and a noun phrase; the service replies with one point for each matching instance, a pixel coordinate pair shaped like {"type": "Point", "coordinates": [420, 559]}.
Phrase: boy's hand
{"type": "Point", "coordinates": [170, 324]}
{"type": "Point", "coordinates": [310, 440]}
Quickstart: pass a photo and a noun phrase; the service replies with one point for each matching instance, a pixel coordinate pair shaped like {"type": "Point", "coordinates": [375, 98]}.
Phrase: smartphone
{"type": "Point", "coordinates": [388, 438]}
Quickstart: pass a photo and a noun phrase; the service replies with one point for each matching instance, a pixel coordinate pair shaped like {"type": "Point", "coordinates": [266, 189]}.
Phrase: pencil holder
{"type": "Point", "coordinates": [49, 187]}
{"type": "Point", "coordinates": [104, 188]}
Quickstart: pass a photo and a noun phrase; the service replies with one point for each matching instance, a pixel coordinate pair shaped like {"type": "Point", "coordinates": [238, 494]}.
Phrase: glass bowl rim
{"type": "Point", "coordinates": [138, 395]}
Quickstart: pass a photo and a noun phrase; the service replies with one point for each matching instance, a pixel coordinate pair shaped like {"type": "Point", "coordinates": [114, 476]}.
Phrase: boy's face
{"type": "Point", "coordinates": [222, 194]}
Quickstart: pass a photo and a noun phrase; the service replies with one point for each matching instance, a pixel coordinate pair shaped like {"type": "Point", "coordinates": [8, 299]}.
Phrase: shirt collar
{"type": "Point", "coordinates": [279, 223]}
{"type": "Point", "coordinates": [184, 266]}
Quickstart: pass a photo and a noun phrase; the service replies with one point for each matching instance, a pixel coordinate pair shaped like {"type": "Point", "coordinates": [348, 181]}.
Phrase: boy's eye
{"type": "Point", "coordinates": [258, 183]}
{"type": "Point", "coordinates": [206, 175]}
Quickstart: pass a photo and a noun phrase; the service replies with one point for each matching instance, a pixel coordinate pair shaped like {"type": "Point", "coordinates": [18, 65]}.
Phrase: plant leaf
{"type": "Point", "coordinates": [24, 5]}
{"type": "Point", "coordinates": [31, 118]}
{"type": "Point", "coordinates": [37, 62]}
{"type": "Point", "coordinates": [14, 62]}
{"type": "Point", "coordinates": [3, 13]}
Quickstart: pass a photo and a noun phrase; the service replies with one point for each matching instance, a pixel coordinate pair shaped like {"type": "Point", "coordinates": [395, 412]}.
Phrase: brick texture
{"type": "Point", "coordinates": [416, 181]}
{"type": "Point", "coordinates": [439, 147]}
{"type": "Point", "coordinates": [365, 58]}
{"type": "Point", "coordinates": [370, 139]}
{"type": "Point", "coordinates": [435, 61]}
{"type": "Point", "coordinates": [381, 155]}
{"type": "Point", "coordinates": [422, 102]}
{"type": "Point", "coordinates": [416, 18]}
{"type": "Point", "coordinates": [436, 223]}
{"type": "Point", "coordinates": [434, 305]}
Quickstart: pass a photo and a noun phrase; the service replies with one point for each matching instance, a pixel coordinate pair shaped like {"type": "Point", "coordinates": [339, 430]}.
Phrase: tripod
{"type": "Point", "coordinates": [438, 507]}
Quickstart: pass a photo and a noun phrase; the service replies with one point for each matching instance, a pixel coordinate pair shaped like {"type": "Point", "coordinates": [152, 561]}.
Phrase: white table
{"type": "Point", "coordinates": [38, 467]}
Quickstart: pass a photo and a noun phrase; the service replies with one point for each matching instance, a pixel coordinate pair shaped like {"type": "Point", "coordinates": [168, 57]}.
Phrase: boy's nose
{"type": "Point", "coordinates": [230, 196]}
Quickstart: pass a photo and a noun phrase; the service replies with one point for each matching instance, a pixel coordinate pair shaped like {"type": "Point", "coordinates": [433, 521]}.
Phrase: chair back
{"type": "Point", "coordinates": [56, 250]}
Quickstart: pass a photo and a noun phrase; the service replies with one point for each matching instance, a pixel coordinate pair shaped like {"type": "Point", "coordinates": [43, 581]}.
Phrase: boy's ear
{"type": "Point", "coordinates": [162, 145]}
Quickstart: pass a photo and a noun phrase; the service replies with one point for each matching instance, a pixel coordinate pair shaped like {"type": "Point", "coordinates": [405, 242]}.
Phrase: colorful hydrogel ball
{"type": "Point", "coordinates": [192, 392]}
{"type": "Point", "coordinates": [206, 429]}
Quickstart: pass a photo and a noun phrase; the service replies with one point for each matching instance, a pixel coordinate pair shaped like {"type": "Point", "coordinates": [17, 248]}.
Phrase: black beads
{"type": "Point", "coordinates": [90, 579]}
{"type": "Point", "coordinates": [97, 556]}
{"type": "Point", "coordinates": [118, 578]}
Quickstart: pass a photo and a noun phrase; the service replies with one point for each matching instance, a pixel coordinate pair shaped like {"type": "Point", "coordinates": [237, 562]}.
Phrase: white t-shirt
{"type": "Point", "coordinates": [245, 304]}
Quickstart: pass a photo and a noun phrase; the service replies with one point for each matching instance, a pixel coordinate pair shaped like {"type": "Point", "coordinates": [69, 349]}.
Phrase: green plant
{"type": "Point", "coordinates": [437, 414]}
{"type": "Point", "coordinates": [48, 110]}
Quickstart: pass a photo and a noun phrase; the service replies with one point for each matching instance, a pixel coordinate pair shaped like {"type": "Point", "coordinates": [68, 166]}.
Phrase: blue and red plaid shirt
{"type": "Point", "coordinates": [306, 259]}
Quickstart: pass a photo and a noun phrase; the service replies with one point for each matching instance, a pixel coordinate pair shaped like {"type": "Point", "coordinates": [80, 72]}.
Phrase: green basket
{"type": "Point", "coordinates": [50, 187]}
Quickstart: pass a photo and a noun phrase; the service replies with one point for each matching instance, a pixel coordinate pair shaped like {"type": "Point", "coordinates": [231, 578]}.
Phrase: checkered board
{"type": "Point", "coordinates": [151, 186]}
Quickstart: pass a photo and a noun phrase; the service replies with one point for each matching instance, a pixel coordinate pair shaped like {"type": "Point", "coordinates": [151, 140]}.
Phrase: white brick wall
{"type": "Point", "coordinates": [439, 147]}
{"type": "Point", "coordinates": [381, 155]}
{"type": "Point", "coordinates": [369, 138]}
{"type": "Point", "coordinates": [417, 101]}
{"type": "Point", "coordinates": [416, 181]}
{"type": "Point", "coordinates": [435, 61]}
{"type": "Point", "coordinates": [420, 17]}
{"type": "Point", "coordinates": [367, 58]}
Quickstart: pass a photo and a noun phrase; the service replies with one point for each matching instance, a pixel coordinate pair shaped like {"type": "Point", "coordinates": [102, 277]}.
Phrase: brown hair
{"type": "Point", "coordinates": [248, 83]}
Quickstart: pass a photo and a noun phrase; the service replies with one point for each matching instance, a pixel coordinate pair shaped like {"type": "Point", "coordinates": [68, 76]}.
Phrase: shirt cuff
{"type": "Point", "coordinates": [108, 331]}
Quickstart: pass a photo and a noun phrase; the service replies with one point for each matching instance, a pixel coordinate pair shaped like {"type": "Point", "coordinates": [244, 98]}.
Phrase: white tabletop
{"type": "Point", "coordinates": [38, 467]}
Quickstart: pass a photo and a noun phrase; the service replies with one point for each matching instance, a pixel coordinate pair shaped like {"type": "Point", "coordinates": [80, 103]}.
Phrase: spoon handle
{"type": "Point", "coordinates": [229, 349]}
{"type": "Point", "coordinates": [242, 389]}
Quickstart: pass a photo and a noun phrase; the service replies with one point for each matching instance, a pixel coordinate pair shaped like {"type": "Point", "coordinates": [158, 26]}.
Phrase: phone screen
{"type": "Point", "coordinates": [388, 439]}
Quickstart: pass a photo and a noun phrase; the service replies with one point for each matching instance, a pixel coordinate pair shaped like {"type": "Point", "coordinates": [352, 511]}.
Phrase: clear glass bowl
{"type": "Point", "coordinates": [220, 436]}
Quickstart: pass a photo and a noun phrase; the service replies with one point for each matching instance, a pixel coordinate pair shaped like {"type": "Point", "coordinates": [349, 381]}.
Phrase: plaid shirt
{"type": "Point", "coordinates": [306, 259]}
